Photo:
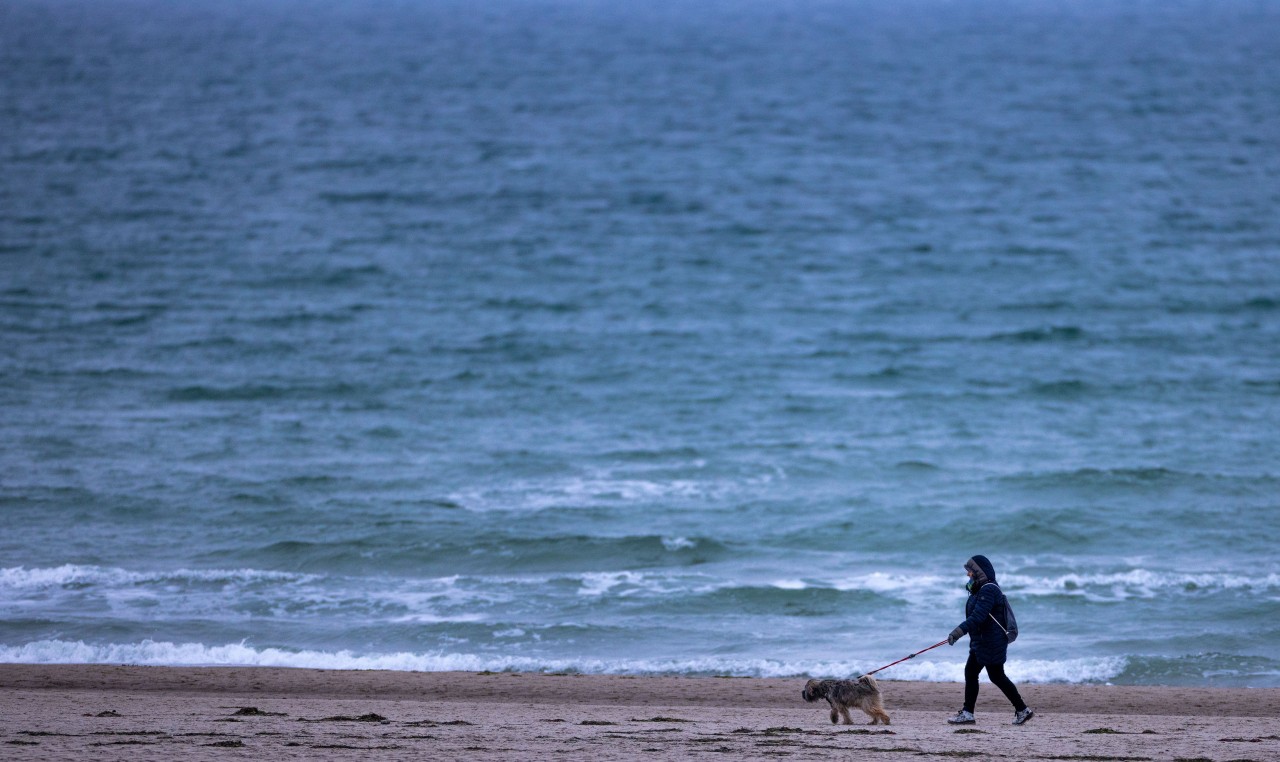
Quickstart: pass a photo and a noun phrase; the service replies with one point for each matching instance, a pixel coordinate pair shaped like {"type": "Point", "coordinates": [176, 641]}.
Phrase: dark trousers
{"type": "Point", "coordinates": [995, 673]}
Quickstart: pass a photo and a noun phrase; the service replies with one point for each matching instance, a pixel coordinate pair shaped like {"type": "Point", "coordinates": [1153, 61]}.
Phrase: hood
{"type": "Point", "coordinates": [983, 571]}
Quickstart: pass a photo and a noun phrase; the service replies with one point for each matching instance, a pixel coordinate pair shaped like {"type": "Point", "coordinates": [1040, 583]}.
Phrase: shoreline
{"type": "Point", "coordinates": [577, 688]}
{"type": "Point", "coordinates": [137, 713]}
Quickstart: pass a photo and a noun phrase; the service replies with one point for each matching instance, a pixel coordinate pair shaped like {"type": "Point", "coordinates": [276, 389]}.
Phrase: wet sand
{"type": "Point", "coordinates": [158, 713]}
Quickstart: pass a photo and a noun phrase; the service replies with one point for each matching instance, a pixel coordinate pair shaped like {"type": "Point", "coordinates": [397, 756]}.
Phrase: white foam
{"type": "Point", "coordinates": [1099, 586]}
{"type": "Point", "coordinates": [1138, 583]}
{"type": "Point", "coordinates": [157, 653]}
{"type": "Point", "coordinates": [902, 584]}
{"type": "Point", "coordinates": [581, 492]}
{"type": "Point", "coordinates": [623, 583]}
{"type": "Point", "coordinates": [791, 584]}
{"type": "Point", "coordinates": [22, 578]}
{"type": "Point", "coordinates": [1020, 670]}
{"type": "Point", "coordinates": [606, 487]}
{"type": "Point", "coordinates": [220, 595]}
{"type": "Point", "coordinates": [678, 543]}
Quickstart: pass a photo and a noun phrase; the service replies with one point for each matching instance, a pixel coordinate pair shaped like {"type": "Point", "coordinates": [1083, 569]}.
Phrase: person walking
{"type": "Point", "coordinates": [988, 643]}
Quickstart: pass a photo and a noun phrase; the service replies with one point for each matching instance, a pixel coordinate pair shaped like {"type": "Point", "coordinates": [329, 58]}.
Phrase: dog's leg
{"type": "Point", "coordinates": [877, 713]}
{"type": "Point", "coordinates": [844, 713]}
{"type": "Point", "coordinates": [835, 717]}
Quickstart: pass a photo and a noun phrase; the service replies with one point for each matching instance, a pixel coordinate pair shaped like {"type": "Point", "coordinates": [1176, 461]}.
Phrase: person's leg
{"type": "Point", "coordinates": [971, 670]}
{"type": "Point", "coordinates": [995, 673]}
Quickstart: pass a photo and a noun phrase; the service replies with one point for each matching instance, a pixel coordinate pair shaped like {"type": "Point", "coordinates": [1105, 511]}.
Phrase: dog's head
{"type": "Point", "coordinates": [813, 690]}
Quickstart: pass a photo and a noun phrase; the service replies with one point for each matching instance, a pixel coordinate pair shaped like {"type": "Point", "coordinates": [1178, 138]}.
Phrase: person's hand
{"type": "Point", "coordinates": [955, 635]}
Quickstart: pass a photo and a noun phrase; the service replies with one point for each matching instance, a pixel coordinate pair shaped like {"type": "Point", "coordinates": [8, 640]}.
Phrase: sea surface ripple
{"type": "Point", "coordinates": [694, 338]}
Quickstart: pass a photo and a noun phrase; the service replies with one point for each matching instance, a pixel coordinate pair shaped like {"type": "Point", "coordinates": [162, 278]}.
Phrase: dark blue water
{"type": "Point", "coordinates": [703, 338]}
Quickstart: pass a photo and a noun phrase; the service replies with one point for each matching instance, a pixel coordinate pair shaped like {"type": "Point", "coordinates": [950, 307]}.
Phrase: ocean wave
{"type": "Point", "coordinates": [1258, 304]}
{"type": "Point", "coordinates": [419, 595]}
{"type": "Point", "coordinates": [1112, 585]}
{"type": "Point", "coordinates": [789, 598]}
{"type": "Point", "coordinates": [259, 392]}
{"type": "Point", "coordinates": [163, 653]}
{"type": "Point", "coordinates": [670, 585]}
{"type": "Point", "coordinates": [1204, 668]}
{"type": "Point", "coordinates": [1144, 478]}
{"type": "Point", "coordinates": [1087, 670]}
{"type": "Point", "coordinates": [932, 589]}
{"type": "Point", "coordinates": [624, 584]}
{"type": "Point", "coordinates": [532, 496]}
{"type": "Point", "coordinates": [897, 584]}
{"type": "Point", "coordinates": [378, 198]}
{"type": "Point", "coordinates": [20, 578]}
{"type": "Point", "coordinates": [557, 555]}
{"type": "Point", "coordinates": [1139, 583]}
{"type": "Point", "coordinates": [1069, 388]}
{"type": "Point", "coordinates": [673, 587]}
{"type": "Point", "coordinates": [1042, 334]}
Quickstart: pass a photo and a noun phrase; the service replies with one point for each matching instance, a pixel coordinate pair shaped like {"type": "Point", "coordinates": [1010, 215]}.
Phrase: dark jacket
{"type": "Point", "coordinates": [987, 642]}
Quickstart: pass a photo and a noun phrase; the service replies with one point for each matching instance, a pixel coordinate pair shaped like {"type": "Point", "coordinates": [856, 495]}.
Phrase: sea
{"type": "Point", "coordinates": [685, 337]}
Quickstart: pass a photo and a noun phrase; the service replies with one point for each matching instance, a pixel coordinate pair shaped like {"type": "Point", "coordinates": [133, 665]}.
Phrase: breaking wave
{"type": "Point", "coordinates": [156, 653]}
{"type": "Point", "coordinates": [74, 575]}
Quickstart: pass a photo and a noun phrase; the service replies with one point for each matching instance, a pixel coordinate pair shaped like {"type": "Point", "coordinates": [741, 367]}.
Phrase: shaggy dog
{"type": "Point", "coordinates": [862, 693]}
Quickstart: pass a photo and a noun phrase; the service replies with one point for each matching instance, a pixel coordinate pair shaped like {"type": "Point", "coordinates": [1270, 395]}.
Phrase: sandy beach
{"type": "Point", "coordinates": [156, 713]}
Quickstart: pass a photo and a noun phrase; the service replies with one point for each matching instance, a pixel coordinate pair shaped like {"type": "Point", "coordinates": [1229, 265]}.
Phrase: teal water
{"type": "Point", "coordinates": [697, 339]}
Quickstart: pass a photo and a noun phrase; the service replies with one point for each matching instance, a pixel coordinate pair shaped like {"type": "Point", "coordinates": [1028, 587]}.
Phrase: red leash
{"type": "Point", "coordinates": [942, 642]}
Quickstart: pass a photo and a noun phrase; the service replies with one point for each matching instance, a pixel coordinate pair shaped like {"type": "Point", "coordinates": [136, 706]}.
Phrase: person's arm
{"type": "Point", "coordinates": [987, 598]}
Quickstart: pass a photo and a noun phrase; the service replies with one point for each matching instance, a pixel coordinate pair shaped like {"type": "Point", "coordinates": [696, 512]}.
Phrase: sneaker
{"type": "Point", "coordinates": [963, 717]}
{"type": "Point", "coordinates": [1023, 716]}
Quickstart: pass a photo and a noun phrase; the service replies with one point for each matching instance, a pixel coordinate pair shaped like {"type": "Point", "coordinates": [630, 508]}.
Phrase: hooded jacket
{"type": "Point", "coordinates": [987, 642]}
